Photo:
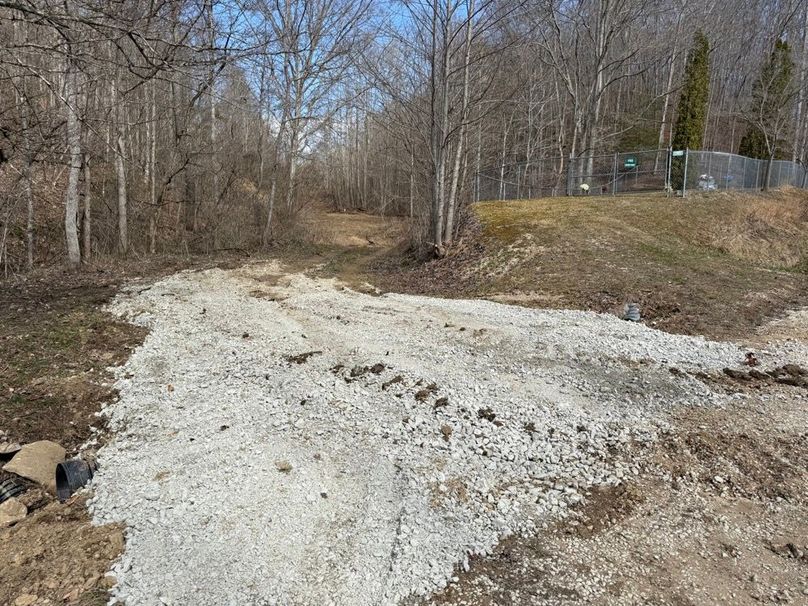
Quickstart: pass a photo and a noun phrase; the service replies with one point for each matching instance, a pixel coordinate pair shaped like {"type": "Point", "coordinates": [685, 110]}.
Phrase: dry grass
{"type": "Point", "coordinates": [349, 229]}
{"type": "Point", "coordinates": [716, 264]}
{"type": "Point", "coordinates": [766, 229]}
{"type": "Point", "coordinates": [771, 230]}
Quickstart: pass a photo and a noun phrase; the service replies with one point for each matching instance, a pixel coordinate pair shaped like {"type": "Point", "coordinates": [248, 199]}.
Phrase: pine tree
{"type": "Point", "coordinates": [753, 143]}
{"type": "Point", "coordinates": [692, 111]}
{"type": "Point", "coordinates": [771, 94]}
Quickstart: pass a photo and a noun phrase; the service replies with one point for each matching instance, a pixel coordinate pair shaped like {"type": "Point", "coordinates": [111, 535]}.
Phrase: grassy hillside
{"type": "Point", "coordinates": [716, 264]}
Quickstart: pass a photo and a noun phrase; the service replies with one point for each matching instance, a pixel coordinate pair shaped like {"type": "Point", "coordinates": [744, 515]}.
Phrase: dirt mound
{"type": "Point", "coordinates": [56, 555]}
{"type": "Point", "coordinates": [717, 264]}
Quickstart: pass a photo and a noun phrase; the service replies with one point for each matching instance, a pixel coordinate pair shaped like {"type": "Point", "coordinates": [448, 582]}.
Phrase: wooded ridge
{"type": "Point", "coordinates": [179, 125]}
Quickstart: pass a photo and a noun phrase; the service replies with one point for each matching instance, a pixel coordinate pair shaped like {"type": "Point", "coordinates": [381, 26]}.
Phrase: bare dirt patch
{"type": "Point", "coordinates": [793, 326]}
{"type": "Point", "coordinates": [352, 229]}
{"type": "Point", "coordinates": [58, 557]}
{"type": "Point", "coordinates": [717, 516]}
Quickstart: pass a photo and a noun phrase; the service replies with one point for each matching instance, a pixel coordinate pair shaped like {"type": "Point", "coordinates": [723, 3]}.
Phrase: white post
{"type": "Point", "coordinates": [668, 171]}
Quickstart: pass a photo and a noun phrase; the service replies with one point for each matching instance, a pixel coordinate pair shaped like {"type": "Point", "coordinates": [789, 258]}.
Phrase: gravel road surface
{"type": "Point", "coordinates": [284, 440]}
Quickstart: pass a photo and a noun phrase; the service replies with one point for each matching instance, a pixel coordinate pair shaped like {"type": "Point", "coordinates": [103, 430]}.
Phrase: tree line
{"type": "Point", "coordinates": [134, 127]}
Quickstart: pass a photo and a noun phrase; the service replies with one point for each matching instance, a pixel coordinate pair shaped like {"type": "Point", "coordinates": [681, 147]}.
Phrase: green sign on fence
{"type": "Point", "coordinates": [678, 153]}
{"type": "Point", "coordinates": [630, 162]}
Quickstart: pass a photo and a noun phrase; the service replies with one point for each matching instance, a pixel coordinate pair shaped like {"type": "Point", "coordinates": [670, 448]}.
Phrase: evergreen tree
{"type": "Point", "coordinates": [753, 143]}
{"type": "Point", "coordinates": [771, 95]}
{"type": "Point", "coordinates": [692, 111]}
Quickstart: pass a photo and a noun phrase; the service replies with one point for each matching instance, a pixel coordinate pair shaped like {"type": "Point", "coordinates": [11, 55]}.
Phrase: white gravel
{"type": "Point", "coordinates": [379, 504]}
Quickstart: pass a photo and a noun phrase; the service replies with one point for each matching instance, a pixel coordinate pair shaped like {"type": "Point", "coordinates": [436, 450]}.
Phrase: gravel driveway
{"type": "Point", "coordinates": [283, 440]}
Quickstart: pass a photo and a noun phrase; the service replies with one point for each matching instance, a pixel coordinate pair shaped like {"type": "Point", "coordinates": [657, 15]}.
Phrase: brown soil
{"type": "Point", "coordinates": [56, 344]}
{"type": "Point", "coordinates": [719, 515]}
{"type": "Point", "coordinates": [56, 555]}
{"type": "Point", "coordinates": [353, 229]}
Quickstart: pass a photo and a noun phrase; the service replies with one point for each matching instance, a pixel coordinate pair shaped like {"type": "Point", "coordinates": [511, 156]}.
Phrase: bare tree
{"type": "Point", "coordinates": [211, 124]}
{"type": "Point", "coordinates": [74, 151]}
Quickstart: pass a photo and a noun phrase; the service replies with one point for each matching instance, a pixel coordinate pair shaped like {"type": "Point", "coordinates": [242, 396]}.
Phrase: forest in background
{"type": "Point", "coordinates": [133, 127]}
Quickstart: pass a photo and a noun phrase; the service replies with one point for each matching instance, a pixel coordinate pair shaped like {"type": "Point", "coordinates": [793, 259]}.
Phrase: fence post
{"type": "Point", "coordinates": [743, 183]}
{"type": "Point", "coordinates": [477, 186]}
{"type": "Point", "coordinates": [614, 176]}
{"type": "Point", "coordinates": [684, 178]}
{"type": "Point", "coordinates": [668, 186]}
{"type": "Point", "coordinates": [804, 176]}
{"type": "Point", "coordinates": [569, 176]}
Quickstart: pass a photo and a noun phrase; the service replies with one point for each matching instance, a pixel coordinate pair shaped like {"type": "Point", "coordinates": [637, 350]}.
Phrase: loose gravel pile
{"type": "Point", "coordinates": [303, 443]}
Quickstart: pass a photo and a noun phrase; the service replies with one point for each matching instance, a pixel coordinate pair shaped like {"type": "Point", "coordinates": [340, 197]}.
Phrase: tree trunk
{"type": "Point", "coordinates": [270, 210]}
{"type": "Point", "coordinates": [29, 224]}
{"type": "Point", "coordinates": [438, 115]}
{"type": "Point", "coordinates": [461, 139]}
{"type": "Point", "coordinates": [22, 101]}
{"type": "Point", "coordinates": [798, 154]}
{"type": "Point", "coordinates": [74, 150]}
{"type": "Point", "coordinates": [86, 227]}
{"type": "Point", "coordinates": [596, 93]}
{"type": "Point", "coordinates": [291, 176]}
{"type": "Point", "coordinates": [120, 170]}
{"type": "Point", "coordinates": [214, 169]}
{"type": "Point", "coordinates": [667, 97]}
{"type": "Point", "coordinates": [412, 181]}
{"type": "Point", "coordinates": [273, 187]}
{"type": "Point", "coordinates": [478, 162]}
{"type": "Point", "coordinates": [294, 142]}
{"type": "Point", "coordinates": [767, 177]}
{"type": "Point", "coordinates": [152, 163]}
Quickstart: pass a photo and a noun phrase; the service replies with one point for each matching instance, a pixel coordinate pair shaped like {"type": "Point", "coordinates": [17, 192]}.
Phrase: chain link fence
{"type": "Point", "coordinates": [659, 170]}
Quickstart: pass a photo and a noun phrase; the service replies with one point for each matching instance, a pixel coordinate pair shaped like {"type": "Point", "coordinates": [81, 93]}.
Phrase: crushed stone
{"type": "Point", "coordinates": [382, 493]}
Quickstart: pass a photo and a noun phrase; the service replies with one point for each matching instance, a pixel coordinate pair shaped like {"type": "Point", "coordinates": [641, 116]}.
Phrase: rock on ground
{"type": "Point", "coordinates": [11, 512]}
{"type": "Point", "coordinates": [37, 461]}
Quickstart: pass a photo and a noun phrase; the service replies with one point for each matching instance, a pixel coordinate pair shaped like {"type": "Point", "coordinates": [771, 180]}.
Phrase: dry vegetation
{"type": "Point", "coordinates": [349, 229]}
{"type": "Point", "coordinates": [714, 264]}
{"type": "Point", "coordinates": [768, 230]}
